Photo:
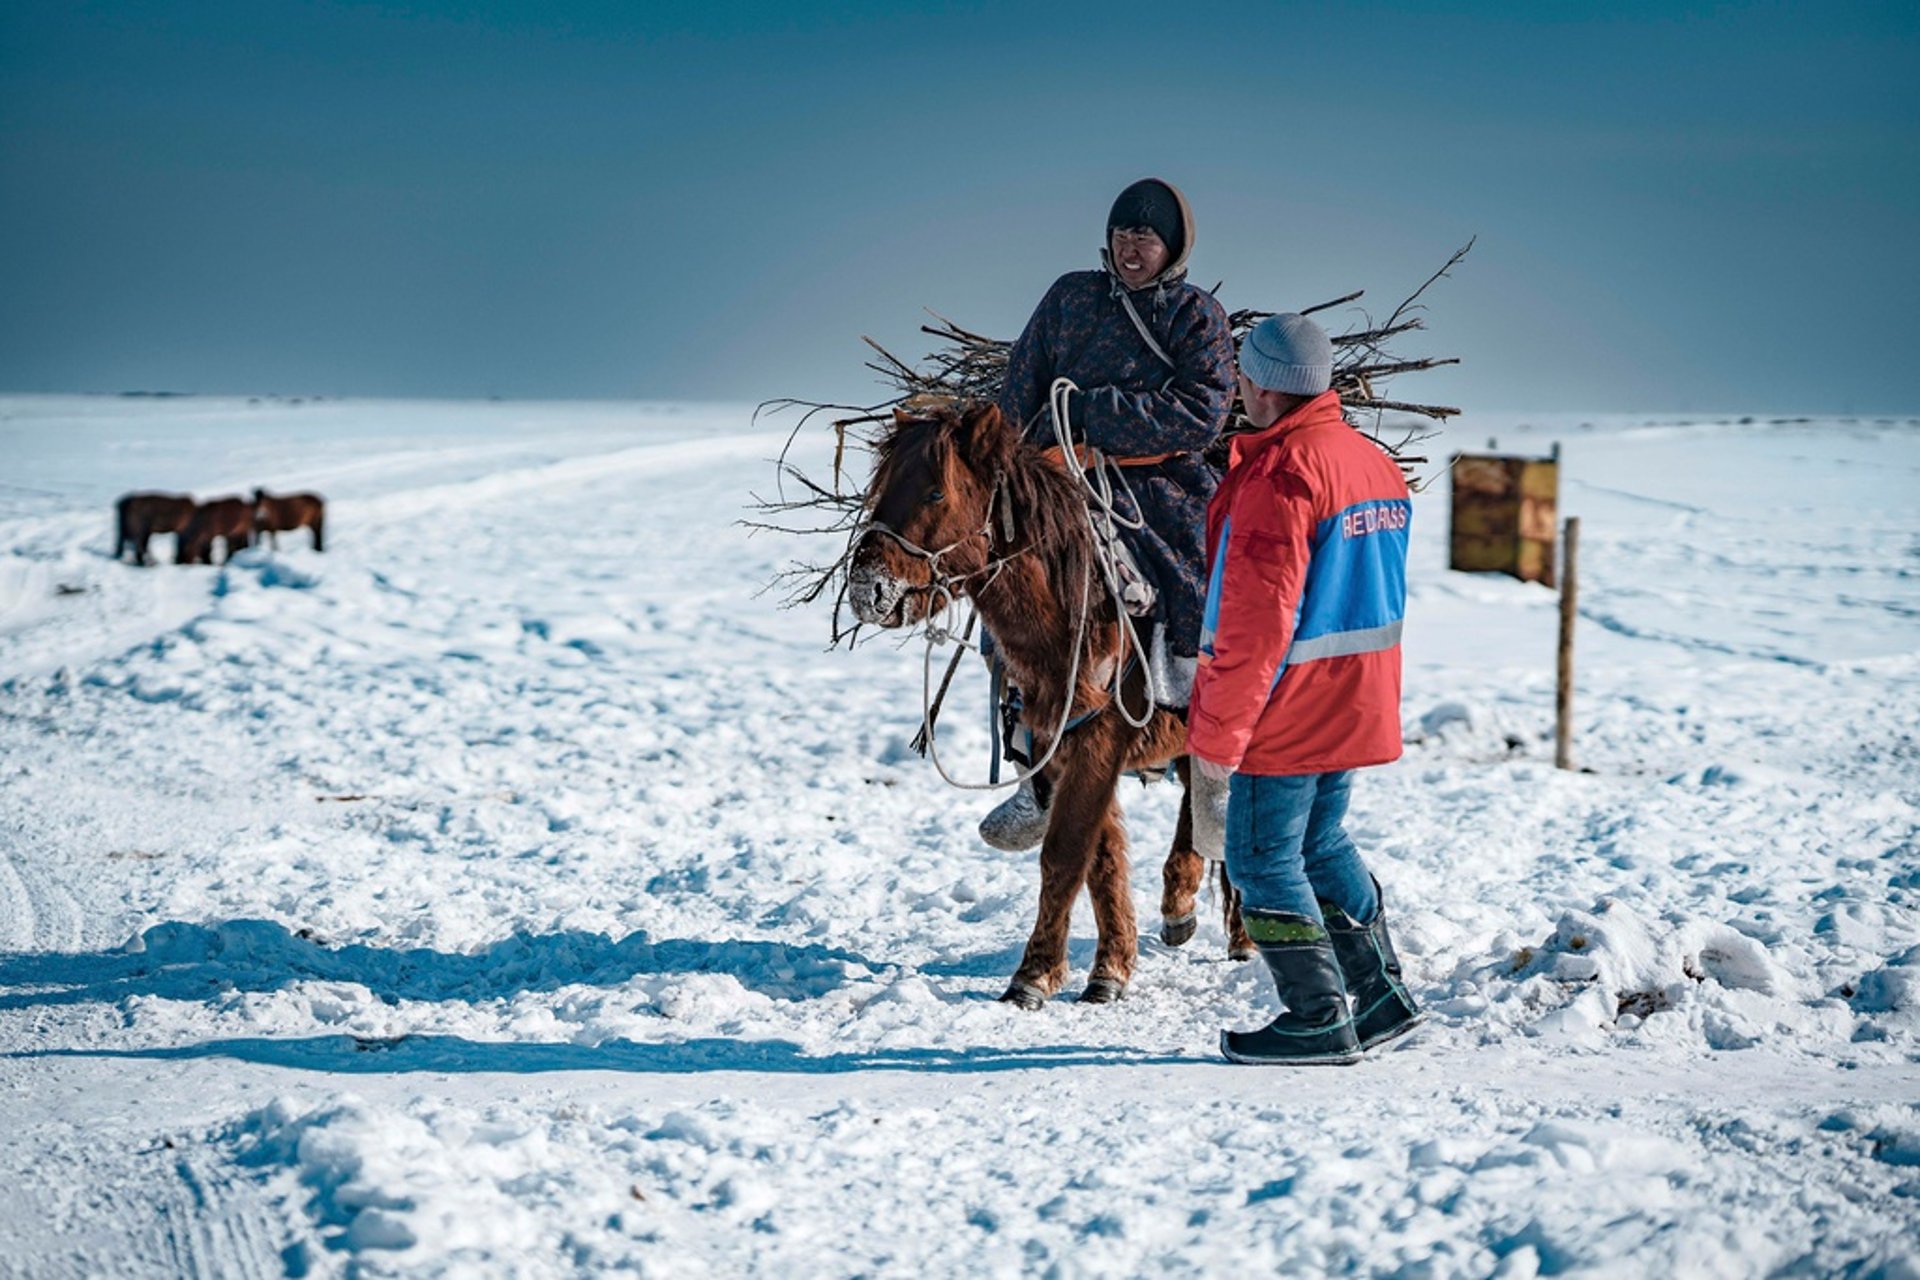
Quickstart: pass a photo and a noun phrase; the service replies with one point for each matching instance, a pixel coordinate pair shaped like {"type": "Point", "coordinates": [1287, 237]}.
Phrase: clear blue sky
{"type": "Point", "coordinates": [1680, 207]}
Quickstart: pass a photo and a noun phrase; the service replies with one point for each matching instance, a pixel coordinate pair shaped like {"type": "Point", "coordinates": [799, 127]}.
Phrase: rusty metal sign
{"type": "Point", "coordinates": [1505, 515]}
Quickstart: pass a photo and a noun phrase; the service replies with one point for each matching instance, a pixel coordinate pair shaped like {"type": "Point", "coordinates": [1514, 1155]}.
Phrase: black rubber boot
{"type": "Point", "coordinates": [1317, 1028]}
{"type": "Point", "coordinates": [1382, 1009]}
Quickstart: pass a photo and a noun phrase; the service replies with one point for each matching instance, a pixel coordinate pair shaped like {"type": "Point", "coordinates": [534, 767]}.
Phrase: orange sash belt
{"type": "Point", "coordinates": [1080, 455]}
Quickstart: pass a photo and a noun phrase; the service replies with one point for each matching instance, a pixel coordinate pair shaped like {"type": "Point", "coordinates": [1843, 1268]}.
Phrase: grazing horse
{"type": "Point", "coordinates": [959, 506]}
{"type": "Point", "coordinates": [275, 516]}
{"type": "Point", "coordinates": [229, 519]}
{"type": "Point", "coordinates": [141, 515]}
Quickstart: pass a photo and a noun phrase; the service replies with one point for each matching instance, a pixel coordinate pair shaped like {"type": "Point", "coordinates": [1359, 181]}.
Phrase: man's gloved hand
{"type": "Point", "coordinates": [1211, 768]}
{"type": "Point", "coordinates": [1076, 404]}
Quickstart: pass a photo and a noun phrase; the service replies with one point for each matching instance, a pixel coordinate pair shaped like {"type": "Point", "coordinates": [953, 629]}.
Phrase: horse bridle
{"type": "Point", "coordinates": [943, 590]}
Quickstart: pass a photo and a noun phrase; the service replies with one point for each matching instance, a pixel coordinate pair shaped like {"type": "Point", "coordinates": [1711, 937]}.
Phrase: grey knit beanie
{"type": "Point", "coordinates": [1288, 353]}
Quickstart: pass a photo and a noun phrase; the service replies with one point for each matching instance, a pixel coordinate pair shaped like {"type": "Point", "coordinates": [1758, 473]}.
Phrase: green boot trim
{"type": "Point", "coordinates": [1278, 926]}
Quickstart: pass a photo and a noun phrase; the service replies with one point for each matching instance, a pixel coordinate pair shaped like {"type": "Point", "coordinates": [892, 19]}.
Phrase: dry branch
{"type": "Point", "coordinates": [972, 366]}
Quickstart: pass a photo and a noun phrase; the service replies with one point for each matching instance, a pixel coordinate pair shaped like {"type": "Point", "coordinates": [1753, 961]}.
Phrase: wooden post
{"type": "Point", "coordinates": [1563, 700]}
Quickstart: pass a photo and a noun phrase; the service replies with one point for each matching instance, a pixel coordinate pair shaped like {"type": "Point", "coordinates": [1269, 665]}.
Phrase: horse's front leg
{"type": "Point", "coordinates": [1107, 885]}
{"type": "Point", "coordinates": [1074, 830]}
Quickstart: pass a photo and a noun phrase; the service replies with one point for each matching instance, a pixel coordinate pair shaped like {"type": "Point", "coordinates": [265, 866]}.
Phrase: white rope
{"type": "Point", "coordinates": [1103, 518]}
{"type": "Point", "coordinates": [1059, 730]}
{"type": "Point", "coordinates": [940, 592]}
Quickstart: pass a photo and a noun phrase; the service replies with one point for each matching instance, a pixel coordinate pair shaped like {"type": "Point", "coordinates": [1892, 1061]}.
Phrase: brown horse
{"type": "Point", "coordinates": [275, 516]}
{"type": "Point", "coordinates": [958, 506]}
{"type": "Point", "coordinates": [141, 515]}
{"type": "Point", "coordinates": [228, 519]}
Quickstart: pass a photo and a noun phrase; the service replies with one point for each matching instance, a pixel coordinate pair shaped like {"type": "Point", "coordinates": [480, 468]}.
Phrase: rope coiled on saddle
{"type": "Point", "coordinates": [1101, 479]}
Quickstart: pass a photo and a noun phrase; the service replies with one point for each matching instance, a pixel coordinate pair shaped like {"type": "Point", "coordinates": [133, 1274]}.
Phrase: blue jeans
{"type": "Point", "coordinates": [1287, 849]}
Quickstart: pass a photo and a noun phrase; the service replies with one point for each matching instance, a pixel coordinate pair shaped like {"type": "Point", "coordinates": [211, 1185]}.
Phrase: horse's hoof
{"type": "Point", "coordinates": [1022, 996]}
{"type": "Point", "coordinates": [1242, 953]}
{"type": "Point", "coordinates": [1177, 931]}
{"type": "Point", "coordinates": [1103, 991]}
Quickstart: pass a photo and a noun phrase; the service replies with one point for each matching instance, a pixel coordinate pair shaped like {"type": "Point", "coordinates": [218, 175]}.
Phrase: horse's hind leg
{"type": "Point", "coordinates": [1108, 886]}
{"type": "Point", "coordinates": [1180, 878]}
{"type": "Point", "coordinates": [1181, 874]}
{"type": "Point", "coordinates": [1239, 945]}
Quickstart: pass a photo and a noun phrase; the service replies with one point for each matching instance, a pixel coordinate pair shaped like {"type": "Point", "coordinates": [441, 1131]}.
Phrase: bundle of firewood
{"type": "Point", "coordinates": [972, 366]}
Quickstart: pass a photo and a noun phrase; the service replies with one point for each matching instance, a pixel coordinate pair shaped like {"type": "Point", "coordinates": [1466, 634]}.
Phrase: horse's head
{"type": "Point", "coordinates": [928, 508]}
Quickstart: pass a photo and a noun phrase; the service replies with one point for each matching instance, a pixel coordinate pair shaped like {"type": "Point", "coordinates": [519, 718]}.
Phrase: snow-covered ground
{"type": "Point", "coordinates": [511, 889]}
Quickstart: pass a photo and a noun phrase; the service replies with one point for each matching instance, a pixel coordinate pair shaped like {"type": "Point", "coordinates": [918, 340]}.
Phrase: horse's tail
{"type": "Point", "coordinates": [1239, 945]}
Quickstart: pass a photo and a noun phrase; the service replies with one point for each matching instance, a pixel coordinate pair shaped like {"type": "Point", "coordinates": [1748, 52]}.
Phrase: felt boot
{"type": "Point", "coordinates": [1316, 1027]}
{"type": "Point", "coordinates": [1382, 1008]}
{"type": "Point", "coordinates": [1018, 822]}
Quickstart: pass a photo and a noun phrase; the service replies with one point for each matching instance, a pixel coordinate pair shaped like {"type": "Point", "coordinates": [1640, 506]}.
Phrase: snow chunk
{"type": "Point", "coordinates": [1612, 967]}
{"type": "Point", "coordinates": [1893, 990]}
{"type": "Point", "coordinates": [1474, 730]}
{"type": "Point", "coordinates": [1732, 959]}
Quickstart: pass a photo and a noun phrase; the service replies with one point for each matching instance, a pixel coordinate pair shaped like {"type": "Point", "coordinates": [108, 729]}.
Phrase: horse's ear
{"type": "Point", "coordinates": [986, 438]}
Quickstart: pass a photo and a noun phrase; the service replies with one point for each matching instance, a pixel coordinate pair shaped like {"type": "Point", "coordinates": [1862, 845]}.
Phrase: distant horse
{"type": "Point", "coordinates": [228, 519]}
{"type": "Point", "coordinates": [275, 516]}
{"type": "Point", "coordinates": [959, 507]}
{"type": "Point", "coordinates": [141, 515]}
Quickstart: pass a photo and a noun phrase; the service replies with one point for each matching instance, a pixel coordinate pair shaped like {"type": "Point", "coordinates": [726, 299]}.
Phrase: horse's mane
{"type": "Point", "coordinates": [1053, 509]}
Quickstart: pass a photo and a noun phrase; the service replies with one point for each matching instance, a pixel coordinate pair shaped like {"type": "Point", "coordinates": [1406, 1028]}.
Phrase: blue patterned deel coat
{"type": "Point", "coordinates": [1133, 405]}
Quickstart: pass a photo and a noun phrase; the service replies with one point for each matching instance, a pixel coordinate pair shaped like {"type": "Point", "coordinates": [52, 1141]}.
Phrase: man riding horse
{"type": "Point", "coordinates": [1153, 358]}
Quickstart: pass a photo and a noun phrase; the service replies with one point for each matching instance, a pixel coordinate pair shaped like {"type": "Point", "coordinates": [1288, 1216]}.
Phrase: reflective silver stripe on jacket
{"type": "Point", "coordinates": [1341, 644]}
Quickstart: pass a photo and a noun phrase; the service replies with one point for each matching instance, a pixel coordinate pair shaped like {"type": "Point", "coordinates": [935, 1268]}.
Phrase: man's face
{"type": "Point", "coordinates": [1258, 403]}
{"type": "Point", "coordinates": [1139, 254]}
{"type": "Point", "coordinates": [1264, 407]}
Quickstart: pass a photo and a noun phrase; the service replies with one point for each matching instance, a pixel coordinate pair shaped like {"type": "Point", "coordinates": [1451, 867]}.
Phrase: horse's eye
{"type": "Point", "coordinates": [936, 495]}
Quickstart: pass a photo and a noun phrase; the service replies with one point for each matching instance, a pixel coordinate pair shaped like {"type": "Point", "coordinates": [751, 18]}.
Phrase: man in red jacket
{"type": "Point", "coordinates": [1299, 685]}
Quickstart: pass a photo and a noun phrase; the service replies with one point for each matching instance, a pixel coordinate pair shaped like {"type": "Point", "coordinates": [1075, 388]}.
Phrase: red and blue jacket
{"type": "Point", "coordinates": [1307, 590]}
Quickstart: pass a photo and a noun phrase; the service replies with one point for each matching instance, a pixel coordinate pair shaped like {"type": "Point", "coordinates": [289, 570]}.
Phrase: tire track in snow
{"type": "Point", "coordinates": [36, 912]}
{"type": "Point", "coordinates": [1628, 494]}
{"type": "Point", "coordinates": [486, 492]}
{"type": "Point", "coordinates": [213, 1225]}
{"type": "Point", "coordinates": [1698, 644]}
{"type": "Point", "coordinates": [184, 1215]}
{"type": "Point", "coordinates": [17, 920]}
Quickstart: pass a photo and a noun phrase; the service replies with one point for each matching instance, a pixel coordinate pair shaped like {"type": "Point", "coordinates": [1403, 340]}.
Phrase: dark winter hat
{"type": "Point", "coordinates": [1288, 353]}
{"type": "Point", "coordinates": [1152, 203]}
